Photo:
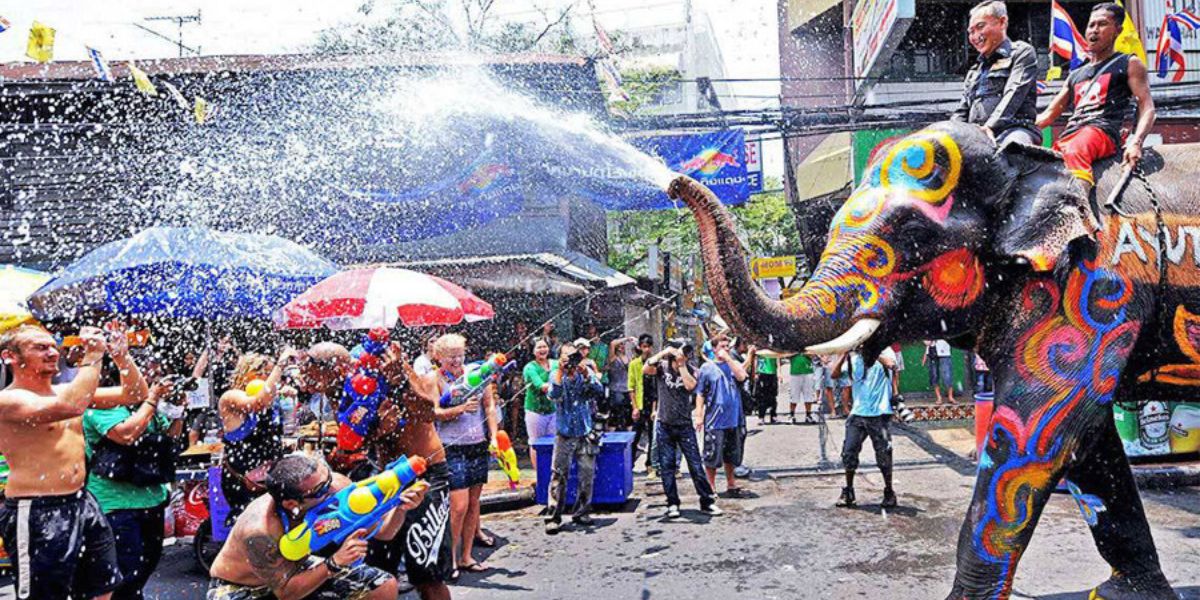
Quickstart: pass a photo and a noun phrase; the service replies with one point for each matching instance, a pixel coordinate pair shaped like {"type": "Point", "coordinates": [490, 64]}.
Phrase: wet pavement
{"type": "Point", "coordinates": [789, 541]}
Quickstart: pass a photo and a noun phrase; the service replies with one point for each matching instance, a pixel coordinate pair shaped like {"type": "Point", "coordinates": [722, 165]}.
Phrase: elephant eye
{"type": "Point", "coordinates": [913, 235]}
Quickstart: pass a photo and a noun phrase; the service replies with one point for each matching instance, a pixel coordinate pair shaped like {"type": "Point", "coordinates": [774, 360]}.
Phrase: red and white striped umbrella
{"type": "Point", "coordinates": [377, 297]}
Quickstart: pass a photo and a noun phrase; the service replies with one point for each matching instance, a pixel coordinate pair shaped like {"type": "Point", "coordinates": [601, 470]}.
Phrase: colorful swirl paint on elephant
{"type": "Point", "coordinates": [1071, 355]}
{"type": "Point", "coordinates": [920, 171]}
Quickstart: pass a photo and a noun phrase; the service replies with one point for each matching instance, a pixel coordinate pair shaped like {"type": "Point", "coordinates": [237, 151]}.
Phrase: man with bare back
{"type": "Point", "coordinates": [404, 429]}
{"type": "Point", "coordinates": [59, 539]}
{"type": "Point", "coordinates": [250, 565]}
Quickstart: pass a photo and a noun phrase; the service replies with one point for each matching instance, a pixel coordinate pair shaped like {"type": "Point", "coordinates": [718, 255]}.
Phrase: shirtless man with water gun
{"type": "Point", "coordinates": [257, 562]}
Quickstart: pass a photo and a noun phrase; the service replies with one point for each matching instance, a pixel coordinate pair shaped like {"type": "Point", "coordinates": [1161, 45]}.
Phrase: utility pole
{"type": "Point", "coordinates": [180, 21]}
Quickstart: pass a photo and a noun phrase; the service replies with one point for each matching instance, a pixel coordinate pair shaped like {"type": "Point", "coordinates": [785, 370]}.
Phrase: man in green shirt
{"type": "Point", "coordinates": [135, 512]}
{"type": "Point", "coordinates": [766, 383]}
{"type": "Point", "coordinates": [803, 386]}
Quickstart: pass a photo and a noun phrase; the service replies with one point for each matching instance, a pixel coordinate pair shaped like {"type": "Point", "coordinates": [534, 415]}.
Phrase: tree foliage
{"type": "Point", "coordinates": [447, 25]}
{"type": "Point", "coordinates": [765, 226]}
{"type": "Point", "coordinates": [645, 88]}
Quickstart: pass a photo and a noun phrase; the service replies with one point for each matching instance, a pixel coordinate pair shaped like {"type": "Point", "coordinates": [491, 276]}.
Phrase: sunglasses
{"type": "Point", "coordinates": [321, 491]}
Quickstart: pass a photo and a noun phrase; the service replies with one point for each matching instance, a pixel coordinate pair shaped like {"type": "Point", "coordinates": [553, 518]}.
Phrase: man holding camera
{"type": "Point", "coordinates": [574, 388]}
{"type": "Point", "coordinates": [135, 505]}
{"type": "Point", "coordinates": [721, 417]}
{"type": "Point", "coordinates": [677, 414]}
{"type": "Point", "coordinates": [61, 543]}
{"type": "Point", "coordinates": [869, 417]}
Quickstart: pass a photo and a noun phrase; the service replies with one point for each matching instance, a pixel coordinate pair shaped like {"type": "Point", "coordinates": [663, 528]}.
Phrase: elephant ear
{"type": "Point", "coordinates": [1045, 207]}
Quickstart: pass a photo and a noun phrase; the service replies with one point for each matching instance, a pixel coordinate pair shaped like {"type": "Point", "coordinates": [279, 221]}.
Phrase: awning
{"type": "Point", "coordinates": [800, 12]}
{"type": "Point", "coordinates": [565, 272]}
{"type": "Point", "coordinates": [827, 168]}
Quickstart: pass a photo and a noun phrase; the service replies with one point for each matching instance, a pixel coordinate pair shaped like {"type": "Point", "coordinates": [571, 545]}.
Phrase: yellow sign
{"type": "Point", "coordinates": [770, 268]}
{"type": "Point", "coordinates": [41, 43]}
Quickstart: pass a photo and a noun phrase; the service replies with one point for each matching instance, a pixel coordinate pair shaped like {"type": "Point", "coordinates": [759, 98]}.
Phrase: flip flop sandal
{"type": "Point", "coordinates": [485, 540]}
{"type": "Point", "coordinates": [473, 568]}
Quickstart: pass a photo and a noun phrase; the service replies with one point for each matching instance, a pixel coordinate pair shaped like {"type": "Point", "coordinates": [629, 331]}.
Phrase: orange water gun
{"type": "Point", "coordinates": [502, 449]}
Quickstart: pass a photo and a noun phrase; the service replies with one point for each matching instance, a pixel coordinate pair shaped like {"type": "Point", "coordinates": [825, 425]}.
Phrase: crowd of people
{"type": "Point", "coordinates": [91, 430]}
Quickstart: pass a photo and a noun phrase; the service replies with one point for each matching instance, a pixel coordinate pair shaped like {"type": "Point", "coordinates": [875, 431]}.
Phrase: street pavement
{"type": "Point", "coordinates": [789, 541]}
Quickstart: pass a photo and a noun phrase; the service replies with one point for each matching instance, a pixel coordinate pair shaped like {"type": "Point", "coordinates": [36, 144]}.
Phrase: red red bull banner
{"type": "Point", "coordinates": [717, 159]}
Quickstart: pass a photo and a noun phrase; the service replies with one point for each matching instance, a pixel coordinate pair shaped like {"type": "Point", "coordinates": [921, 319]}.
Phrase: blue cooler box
{"type": "Point", "coordinates": [614, 470]}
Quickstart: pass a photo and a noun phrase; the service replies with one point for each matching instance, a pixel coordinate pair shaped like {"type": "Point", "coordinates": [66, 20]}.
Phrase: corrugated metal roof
{"type": "Point", "coordinates": [573, 265]}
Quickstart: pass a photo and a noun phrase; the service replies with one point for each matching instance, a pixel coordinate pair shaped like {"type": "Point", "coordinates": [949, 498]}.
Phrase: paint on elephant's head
{"type": "Point", "coordinates": [933, 209]}
{"type": "Point", "coordinates": [906, 226]}
{"type": "Point", "coordinates": [910, 248]}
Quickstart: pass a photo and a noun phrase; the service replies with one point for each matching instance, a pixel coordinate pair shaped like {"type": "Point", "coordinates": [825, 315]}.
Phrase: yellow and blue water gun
{"type": "Point", "coordinates": [360, 505]}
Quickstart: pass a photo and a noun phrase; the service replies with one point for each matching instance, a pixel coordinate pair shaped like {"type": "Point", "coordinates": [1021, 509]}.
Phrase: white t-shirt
{"type": "Point", "coordinates": [942, 348]}
{"type": "Point", "coordinates": [423, 365]}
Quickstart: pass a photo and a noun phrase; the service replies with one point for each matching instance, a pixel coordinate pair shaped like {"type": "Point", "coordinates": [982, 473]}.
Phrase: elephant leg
{"type": "Point", "coordinates": [1103, 484]}
{"type": "Point", "coordinates": [1012, 485]}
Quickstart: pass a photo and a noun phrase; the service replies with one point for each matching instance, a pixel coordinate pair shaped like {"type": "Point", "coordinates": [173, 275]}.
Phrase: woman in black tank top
{"type": "Point", "coordinates": [252, 429]}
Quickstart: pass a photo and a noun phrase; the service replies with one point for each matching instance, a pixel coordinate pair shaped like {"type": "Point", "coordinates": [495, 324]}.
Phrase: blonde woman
{"type": "Point", "coordinates": [466, 429]}
{"type": "Point", "coordinates": [251, 429]}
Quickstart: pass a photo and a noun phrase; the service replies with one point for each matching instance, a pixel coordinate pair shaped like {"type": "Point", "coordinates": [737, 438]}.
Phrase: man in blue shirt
{"type": "Point", "coordinates": [869, 417]}
{"type": "Point", "coordinates": [718, 386]}
{"type": "Point", "coordinates": [574, 387]}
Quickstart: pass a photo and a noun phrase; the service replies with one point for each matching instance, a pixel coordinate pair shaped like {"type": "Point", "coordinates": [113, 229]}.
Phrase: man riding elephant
{"type": "Point", "coordinates": [949, 236]}
{"type": "Point", "coordinates": [1000, 93]}
{"type": "Point", "coordinates": [1101, 93]}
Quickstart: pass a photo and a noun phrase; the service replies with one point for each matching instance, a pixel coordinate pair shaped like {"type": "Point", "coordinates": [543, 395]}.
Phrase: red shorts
{"type": "Point", "coordinates": [1083, 147]}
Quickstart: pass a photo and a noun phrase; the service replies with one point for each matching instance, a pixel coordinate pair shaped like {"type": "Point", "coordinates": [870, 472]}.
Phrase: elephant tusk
{"type": "Point", "coordinates": [857, 334]}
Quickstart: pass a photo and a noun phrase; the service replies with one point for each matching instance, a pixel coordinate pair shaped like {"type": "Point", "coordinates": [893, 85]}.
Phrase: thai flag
{"type": "Point", "coordinates": [4, 24]}
{"type": "Point", "coordinates": [1065, 40]}
{"type": "Point", "coordinates": [1187, 18]}
{"type": "Point", "coordinates": [1170, 45]}
{"type": "Point", "coordinates": [102, 71]}
{"type": "Point", "coordinates": [1041, 87]}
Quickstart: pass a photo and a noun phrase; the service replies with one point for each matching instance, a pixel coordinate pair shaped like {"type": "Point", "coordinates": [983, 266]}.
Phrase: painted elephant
{"type": "Point", "coordinates": [949, 236]}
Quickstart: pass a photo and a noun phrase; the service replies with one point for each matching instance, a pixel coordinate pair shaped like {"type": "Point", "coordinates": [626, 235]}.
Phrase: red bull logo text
{"type": "Point", "coordinates": [483, 177]}
{"type": "Point", "coordinates": [709, 162]}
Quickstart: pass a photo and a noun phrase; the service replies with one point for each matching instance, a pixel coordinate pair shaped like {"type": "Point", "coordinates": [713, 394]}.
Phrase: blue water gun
{"type": "Point", "coordinates": [360, 505]}
{"type": "Point", "coordinates": [474, 380]}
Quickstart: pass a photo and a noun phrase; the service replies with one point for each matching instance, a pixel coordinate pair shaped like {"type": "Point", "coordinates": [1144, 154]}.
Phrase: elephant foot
{"type": "Point", "coordinates": [1146, 587]}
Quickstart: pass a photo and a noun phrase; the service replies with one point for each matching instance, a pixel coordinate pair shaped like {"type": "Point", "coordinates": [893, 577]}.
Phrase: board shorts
{"type": "Point", "coordinates": [60, 546]}
{"type": "Point", "coordinates": [353, 583]}
{"type": "Point", "coordinates": [468, 465]}
{"type": "Point", "coordinates": [722, 446]}
{"type": "Point", "coordinates": [424, 542]}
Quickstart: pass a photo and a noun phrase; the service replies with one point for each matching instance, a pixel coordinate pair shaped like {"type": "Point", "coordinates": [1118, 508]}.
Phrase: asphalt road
{"type": "Point", "coordinates": [789, 541]}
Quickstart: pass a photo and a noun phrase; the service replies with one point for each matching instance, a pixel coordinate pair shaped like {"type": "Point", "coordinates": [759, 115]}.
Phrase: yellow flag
{"type": "Point", "coordinates": [1128, 41]}
{"type": "Point", "coordinates": [200, 110]}
{"type": "Point", "coordinates": [142, 80]}
{"type": "Point", "coordinates": [41, 43]}
{"type": "Point", "coordinates": [1053, 73]}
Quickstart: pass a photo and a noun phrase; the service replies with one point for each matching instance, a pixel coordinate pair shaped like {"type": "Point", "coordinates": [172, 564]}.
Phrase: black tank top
{"type": "Point", "coordinates": [258, 441]}
{"type": "Point", "coordinates": [1101, 96]}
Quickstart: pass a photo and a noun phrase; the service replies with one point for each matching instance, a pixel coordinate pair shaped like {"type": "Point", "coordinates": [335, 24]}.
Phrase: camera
{"type": "Point", "coordinates": [182, 383]}
{"type": "Point", "coordinates": [901, 409]}
{"type": "Point", "coordinates": [573, 360]}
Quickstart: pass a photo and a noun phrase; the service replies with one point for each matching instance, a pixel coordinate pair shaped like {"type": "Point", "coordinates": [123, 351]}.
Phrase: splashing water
{"type": "Point", "coordinates": [407, 156]}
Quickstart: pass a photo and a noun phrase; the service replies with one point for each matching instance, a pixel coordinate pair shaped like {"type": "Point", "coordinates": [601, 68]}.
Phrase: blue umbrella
{"type": "Point", "coordinates": [183, 272]}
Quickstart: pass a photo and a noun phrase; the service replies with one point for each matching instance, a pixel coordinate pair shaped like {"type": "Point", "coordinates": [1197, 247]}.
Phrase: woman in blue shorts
{"type": "Point", "coordinates": [466, 430]}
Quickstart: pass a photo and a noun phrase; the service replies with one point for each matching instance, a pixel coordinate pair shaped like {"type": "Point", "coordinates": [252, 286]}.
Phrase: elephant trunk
{"type": "Point", "coordinates": [767, 323]}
